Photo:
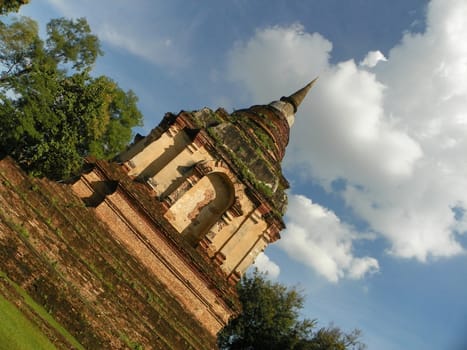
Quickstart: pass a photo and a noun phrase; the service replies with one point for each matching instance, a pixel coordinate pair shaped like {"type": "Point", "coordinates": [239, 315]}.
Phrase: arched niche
{"type": "Point", "coordinates": [201, 206]}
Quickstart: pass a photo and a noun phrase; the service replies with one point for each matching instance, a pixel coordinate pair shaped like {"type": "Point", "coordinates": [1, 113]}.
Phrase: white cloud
{"type": "Point", "coordinates": [316, 237]}
{"type": "Point", "coordinates": [396, 133]}
{"type": "Point", "coordinates": [372, 59]}
{"type": "Point", "coordinates": [266, 265]}
{"type": "Point", "coordinates": [344, 116]}
{"type": "Point", "coordinates": [426, 95]}
{"type": "Point", "coordinates": [256, 62]}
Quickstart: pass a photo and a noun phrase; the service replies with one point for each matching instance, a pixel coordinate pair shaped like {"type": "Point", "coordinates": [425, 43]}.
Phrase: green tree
{"type": "Point", "coordinates": [11, 5]}
{"type": "Point", "coordinates": [69, 44]}
{"type": "Point", "coordinates": [332, 338]}
{"type": "Point", "coordinates": [270, 319]}
{"type": "Point", "coordinates": [52, 111]}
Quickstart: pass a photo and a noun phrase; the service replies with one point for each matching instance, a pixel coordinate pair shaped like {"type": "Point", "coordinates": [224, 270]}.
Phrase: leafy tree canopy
{"type": "Point", "coordinates": [11, 5]}
{"type": "Point", "coordinates": [270, 319]}
{"type": "Point", "coordinates": [52, 111]}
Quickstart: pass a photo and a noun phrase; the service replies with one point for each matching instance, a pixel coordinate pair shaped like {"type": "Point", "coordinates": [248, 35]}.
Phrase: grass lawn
{"type": "Point", "coordinates": [17, 332]}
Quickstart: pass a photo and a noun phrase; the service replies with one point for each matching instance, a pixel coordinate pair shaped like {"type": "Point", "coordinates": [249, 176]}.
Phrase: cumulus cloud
{"type": "Point", "coordinates": [267, 266]}
{"type": "Point", "coordinates": [317, 237]}
{"type": "Point", "coordinates": [395, 134]}
{"type": "Point", "coordinates": [427, 97]}
{"type": "Point", "coordinates": [276, 58]}
{"type": "Point", "coordinates": [342, 117]}
{"type": "Point", "coordinates": [372, 59]}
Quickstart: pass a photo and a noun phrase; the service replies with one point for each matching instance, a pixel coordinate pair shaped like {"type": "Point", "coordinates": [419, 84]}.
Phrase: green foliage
{"type": "Point", "coordinates": [23, 232]}
{"type": "Point", "coordinates": [270, 319]}
{"type": "Point", "coordinates": [264, 138]}
{"type": "Point", "coordinates": [241, 165]}
{"type": "Point", "coordinates": [11, 5]}
{"type": "Point", "coordinates": [131, 344]}
{"type": "Point", "coordinates": [333, 338]}
{"type": "Point", "coordinates": [72, 41]}
{"type": "Point", "coordinates": [52, 111]}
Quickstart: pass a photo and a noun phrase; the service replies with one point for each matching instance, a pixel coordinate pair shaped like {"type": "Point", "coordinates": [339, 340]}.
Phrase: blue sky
{"type": "Point", "coordinates": [376, 227]}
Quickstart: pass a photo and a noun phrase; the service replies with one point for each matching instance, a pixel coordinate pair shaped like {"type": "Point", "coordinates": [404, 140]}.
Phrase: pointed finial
{"type": "Point", "coordinates": [297, 97]}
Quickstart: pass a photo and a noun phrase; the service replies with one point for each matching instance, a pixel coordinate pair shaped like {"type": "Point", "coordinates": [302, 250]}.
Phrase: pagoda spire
{"type": "Point", "coordinates": [288, 105]}
{"type": "Point", "coordinates": [298, 96]}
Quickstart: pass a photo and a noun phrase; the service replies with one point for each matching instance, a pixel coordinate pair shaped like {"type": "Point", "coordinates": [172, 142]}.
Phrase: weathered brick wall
{"type": "Point", "coordinates": [150, 247]}
{"type": "Point", "coordinates": [66, 259]}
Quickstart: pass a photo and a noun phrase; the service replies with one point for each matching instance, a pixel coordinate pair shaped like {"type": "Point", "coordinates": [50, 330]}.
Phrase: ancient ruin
{"type": "Point", "coordinates": [147, 249]}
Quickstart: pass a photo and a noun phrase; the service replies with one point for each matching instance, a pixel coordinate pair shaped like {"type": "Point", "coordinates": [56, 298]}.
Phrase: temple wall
{"type": "Point", "coordinates": [150, 159]}
{"type": "Point", "coordinates": [251, 255]}
{"type": "Point", "coordinates": [175, 170]}
{"type": "Point", "coordinates": [201, 211]}
{"type": "Point", "coordinates": [209, 191]}
{"type": "Point", "coordinates": [242, 241]}
{"type": "Point", "coordinates": [164, 261]}
{"type": "Point", "coordinates": [230, 225]}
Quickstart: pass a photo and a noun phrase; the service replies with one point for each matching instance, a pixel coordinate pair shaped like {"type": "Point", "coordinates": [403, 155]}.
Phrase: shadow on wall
{"type": "Point", "coordinates": [101, 190]}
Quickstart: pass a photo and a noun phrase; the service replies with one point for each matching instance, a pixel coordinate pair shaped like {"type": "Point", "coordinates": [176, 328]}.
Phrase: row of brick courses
{"type": "Point", "coordinates": [94, 287]}
{"type": "Point", "coordinates": [142, 199]}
